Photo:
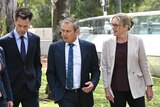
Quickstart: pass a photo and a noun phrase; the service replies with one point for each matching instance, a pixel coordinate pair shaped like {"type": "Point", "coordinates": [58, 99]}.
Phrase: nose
{"type": "Point", "coordinates": [113, 27]}
{"type": "Point", "coordinates": [23, 29]}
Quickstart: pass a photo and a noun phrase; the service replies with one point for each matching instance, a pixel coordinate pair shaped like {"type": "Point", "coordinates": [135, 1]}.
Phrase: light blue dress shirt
{"type": "Point", "coordinates": [18, 40]}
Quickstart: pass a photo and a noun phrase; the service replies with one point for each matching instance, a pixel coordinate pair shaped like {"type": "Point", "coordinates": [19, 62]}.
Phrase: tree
{"type": "Point", "coordinates": [7, 9]}
{"type": "Point", "coordinates": [127, 6]}
{"type": "Point", "coordinates": [42, 12]}
{"type": "Point", "coordinates": [149, 5]}
{"type": "Point", "coordinates": [85, 8]}
{"type": "Point", "coordinates": [61, 10]}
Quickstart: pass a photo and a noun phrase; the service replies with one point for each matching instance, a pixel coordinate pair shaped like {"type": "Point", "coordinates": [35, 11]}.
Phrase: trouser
{"type": "Point", "coordinates": [121, 97]}
{"type": "Point", "coordinates": [72, 99]}
{"type": "Point", "coordinates": [26, 98]}
{"type": "Point", "coordinates": [3, 102]}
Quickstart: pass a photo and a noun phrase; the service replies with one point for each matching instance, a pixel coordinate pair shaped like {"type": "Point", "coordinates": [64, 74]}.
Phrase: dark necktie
{"type": "Point", "coordinates": [23, 50]}
{"type": "Point", "coordinates": [70, 67]}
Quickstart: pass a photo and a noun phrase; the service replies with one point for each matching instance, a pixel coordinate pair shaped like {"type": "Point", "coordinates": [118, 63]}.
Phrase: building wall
{"type": "Point", "coordinates": [45, 35]}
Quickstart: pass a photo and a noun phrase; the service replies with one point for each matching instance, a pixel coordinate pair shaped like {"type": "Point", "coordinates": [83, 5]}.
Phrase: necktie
{"type": "Point", "coordinates": [70, 67]}
{"type": "Point", "coordinates": [23, 50]}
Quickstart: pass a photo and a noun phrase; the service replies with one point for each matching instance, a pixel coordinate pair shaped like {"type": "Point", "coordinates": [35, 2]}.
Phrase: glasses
{"type": "Point", "coordinates": [114, 25]}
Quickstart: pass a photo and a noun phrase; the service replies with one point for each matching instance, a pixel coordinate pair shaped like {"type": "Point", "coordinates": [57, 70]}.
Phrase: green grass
{"type": "Point", "coordinates": [154, 64]}
{"type": "Point", "coordinates": [42, 95]}
{"type": "Point", "coordinates": [99, 95]}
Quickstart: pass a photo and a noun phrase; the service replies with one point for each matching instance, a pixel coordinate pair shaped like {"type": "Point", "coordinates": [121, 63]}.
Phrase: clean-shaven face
{"type": "Point", "coordinates": [21, 25]}
{"type": "Point", "coordinates": [68, 33]}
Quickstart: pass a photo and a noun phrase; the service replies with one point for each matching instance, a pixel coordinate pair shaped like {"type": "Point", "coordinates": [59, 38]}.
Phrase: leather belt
{"type": "Point", "coordinates": [73, 90]}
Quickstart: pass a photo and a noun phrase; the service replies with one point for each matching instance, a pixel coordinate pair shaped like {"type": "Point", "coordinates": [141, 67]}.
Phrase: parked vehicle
{"type": "Point", "coordinates": [146, 26]}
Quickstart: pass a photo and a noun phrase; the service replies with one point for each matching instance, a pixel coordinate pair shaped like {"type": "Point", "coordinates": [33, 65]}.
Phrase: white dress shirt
{"type": "Point", "coordinates": [76, 63]}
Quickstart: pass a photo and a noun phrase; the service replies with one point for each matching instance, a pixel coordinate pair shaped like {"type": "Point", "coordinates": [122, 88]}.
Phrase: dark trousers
{"type": "Point", "coordinates": [26, 98]}
{"type": "Point", "coordinates": [121, 97]}
{"type": "Point", "coordinates": [71, 99]}
{"type": "Point", "coordinates": [3, 102]}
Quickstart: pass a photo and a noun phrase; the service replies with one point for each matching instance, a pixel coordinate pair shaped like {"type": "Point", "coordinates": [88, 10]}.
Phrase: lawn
{"type": "Point", "coordinates": [99, 95]}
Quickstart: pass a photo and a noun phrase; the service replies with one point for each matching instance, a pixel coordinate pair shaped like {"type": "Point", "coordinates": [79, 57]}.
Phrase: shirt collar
{"type": "Point", "coordinates": [17, 35]}
{"type": "Point", "coordinates": [76, 42]}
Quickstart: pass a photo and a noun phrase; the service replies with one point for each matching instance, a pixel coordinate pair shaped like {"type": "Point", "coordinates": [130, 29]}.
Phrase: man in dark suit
{"type": "Point", "coordinates": [6, 97]}
{"type": "Point", "coordinates": [22, 50]}
{"type": "Point", "coordinates": [85, 68]}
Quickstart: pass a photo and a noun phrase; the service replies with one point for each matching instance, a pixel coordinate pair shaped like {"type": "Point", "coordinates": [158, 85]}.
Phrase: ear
{"type": "Point", "coordinates": [14, 22]}
{"type": "Point", "coordinates": [77, 31]}
{"type": "Point", "coordinates": [126, 27]}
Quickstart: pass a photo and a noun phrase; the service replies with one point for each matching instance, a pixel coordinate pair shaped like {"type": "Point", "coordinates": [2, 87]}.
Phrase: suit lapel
{"type": "Point", "coordinates": [60, 56]}
{"type": "Point", "coordinates": [131, 45]}
{"type": "Point", "coordinates": [62, 59]}
{"type": "Point", "coordinates": [112, 50]}
{"type": "Point", "coordinates": [83, 55]}
{"type": "Point", "coordinates": [30, 42]}
{"type": "Point", "coordinates": [130, 51]}
{"type": "Point", "coordinates": [84, 58]}
{"type": "Point", "coordinates": [13, 44]}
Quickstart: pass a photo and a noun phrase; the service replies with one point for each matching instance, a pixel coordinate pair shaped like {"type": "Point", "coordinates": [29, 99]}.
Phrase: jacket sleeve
{"type": "Point", "coordinates": [5, 77]}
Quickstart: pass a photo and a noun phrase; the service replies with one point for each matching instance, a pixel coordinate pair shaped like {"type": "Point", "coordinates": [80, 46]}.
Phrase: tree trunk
{"type": "Point", "coordinates": [7, 9]}
{"type": "Point", "coordinates": [11, 6]}
{"type": "Point", "coordinates": [2, 14]}
{"type": "Point", "coordinates": [60, 10]}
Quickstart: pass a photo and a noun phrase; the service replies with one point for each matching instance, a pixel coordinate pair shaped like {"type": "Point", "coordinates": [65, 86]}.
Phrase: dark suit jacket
{"type": "Point", "coordinates": [5, 87]}
{"type": "Point", "coordinates": [23, 72]}
{"type": "Point", "coordinates": [56, 71]}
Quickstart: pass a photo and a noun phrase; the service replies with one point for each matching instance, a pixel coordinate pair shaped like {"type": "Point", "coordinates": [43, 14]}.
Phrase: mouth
{"type": "Point", "coordinates": [65, 38]}
{"type": "Point", "coordinates": [21, 33]}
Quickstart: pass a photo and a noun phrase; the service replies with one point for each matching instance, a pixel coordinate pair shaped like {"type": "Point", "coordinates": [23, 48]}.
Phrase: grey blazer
{"type": "Point", "coordinates": [137, 66]}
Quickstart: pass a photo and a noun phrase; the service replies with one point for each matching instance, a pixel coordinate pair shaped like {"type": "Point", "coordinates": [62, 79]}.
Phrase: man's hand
{"type": "Point", "coordinates": [89, 87]}
{"type": "Point", "coordinates": [0, 94]}
{"type": "Point", "coordinates": [9, 104]}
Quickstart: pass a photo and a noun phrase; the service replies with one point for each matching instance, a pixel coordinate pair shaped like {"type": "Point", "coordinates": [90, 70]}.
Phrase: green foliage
{"type": "Point", "coordinates": [3, 26]}
{"type": "Point", "coordinates": [149, 5]}
{"type": "Point", "coordinates": [42, 16]}
{"type": "Point", "coordinates": [127, 6]}
{"type": "Point", "coordinates": [41, 12]}
{"type": "Point", "coordinates": [20, 3]}
{"type": "Point", "coordinates": [85, 8]}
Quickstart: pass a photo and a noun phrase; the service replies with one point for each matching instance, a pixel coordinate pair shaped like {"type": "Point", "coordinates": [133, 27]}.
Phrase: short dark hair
{"type": "Point", "coordinates": [23, 13]}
